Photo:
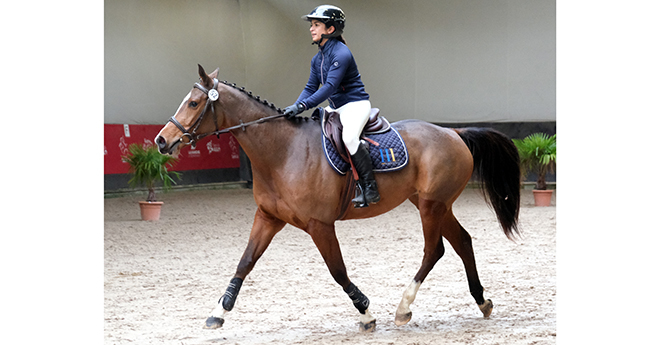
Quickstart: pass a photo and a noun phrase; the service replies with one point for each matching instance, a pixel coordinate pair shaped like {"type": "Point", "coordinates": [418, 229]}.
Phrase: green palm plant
{"type": "Point", "coordinates": [149, 166]}
{"type": "Point", "coordinates": [538, 153]}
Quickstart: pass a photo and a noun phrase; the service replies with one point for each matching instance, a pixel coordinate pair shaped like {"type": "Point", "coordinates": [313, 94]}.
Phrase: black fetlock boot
{"type": "Point", "coordinates": [367, 189]}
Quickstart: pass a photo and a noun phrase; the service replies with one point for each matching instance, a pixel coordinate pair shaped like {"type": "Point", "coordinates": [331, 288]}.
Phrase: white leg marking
{"type": "Point", "coordinates": [366, 317]}
{"type": "Point", "coordinates": [408, 298]}
{"type": "Point", "coordinates": [219, 312]}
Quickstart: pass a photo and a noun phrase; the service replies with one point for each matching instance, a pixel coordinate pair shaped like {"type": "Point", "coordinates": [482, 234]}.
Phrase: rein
{"type": "Point", "coordinates": [213, 96]}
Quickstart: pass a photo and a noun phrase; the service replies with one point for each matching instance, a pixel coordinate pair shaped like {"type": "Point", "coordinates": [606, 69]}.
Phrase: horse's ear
{"type": "Point", "coordinates": [203, 76]}
{"type": "Point", "coordinates": [201, 71]}
{"type": "Point", "coordinates": [214, 74]}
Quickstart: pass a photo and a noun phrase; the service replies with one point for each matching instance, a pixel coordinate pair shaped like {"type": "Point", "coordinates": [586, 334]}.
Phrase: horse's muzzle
{"type": "Point", "coordinates": [163, 148]}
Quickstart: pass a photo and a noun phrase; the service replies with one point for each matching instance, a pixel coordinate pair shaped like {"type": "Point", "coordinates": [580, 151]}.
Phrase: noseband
{"type": "Point", "coordinates": [191, 133]}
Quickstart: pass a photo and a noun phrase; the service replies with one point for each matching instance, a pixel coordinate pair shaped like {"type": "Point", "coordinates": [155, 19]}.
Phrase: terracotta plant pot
{"type": "Point", "coordinates": [150, 210]}
{"type": "Point", "coordinates": [542, 197]}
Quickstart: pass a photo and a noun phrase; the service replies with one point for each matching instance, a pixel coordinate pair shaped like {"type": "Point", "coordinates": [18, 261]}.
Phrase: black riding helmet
{"type": "Point", "coordinates": [329, 15]}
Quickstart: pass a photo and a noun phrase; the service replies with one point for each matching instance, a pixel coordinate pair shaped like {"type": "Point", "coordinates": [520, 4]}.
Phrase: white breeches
{"type": "Point", "coordinates": [353, 117]}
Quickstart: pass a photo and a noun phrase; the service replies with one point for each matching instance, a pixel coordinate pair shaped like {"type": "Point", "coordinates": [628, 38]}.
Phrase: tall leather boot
{"type": "Point", "coordinates": [367, 191]}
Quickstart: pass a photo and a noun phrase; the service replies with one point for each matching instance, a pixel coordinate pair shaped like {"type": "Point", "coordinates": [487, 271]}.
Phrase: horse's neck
{"type": "Point", "coordinates": [266, 143]}
{"type": "Point", "coordinates": [270, 144]}
{"type": "Point", "coordinates": [280, 149]}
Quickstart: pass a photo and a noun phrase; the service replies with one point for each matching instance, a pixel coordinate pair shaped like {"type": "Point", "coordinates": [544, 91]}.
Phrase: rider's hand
{"type": "Point", "coordinates": [294, 110]}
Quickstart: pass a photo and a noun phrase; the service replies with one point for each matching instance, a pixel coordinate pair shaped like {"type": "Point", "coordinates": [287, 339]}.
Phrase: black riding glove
{"type": "Point", "coordinates": [294, 110]}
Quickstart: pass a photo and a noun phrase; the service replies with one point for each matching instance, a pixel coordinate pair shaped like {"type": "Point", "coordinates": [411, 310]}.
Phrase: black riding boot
{"type": "Point", "coordinates": [367, 189]}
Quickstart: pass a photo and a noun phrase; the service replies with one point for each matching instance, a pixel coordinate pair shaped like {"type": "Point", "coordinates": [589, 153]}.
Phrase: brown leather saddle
{"type": "Point", "coordinates": [332, 128]}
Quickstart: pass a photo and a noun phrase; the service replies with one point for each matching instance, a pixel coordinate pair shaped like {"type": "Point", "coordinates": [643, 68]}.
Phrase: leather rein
{"type": "Point", "coordinates": [212, 96]}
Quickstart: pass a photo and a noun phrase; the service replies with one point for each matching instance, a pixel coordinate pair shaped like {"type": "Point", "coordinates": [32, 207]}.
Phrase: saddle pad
{"type": "Point", "coordinates": [390, 155]}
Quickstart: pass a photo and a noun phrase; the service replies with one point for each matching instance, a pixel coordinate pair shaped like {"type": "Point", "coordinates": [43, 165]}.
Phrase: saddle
{"type": "Point", "coordinates": [386, 147]}
{"type": "Point", "coordinates": [332, 128]}
{"type": "Point", "coordinates": [387, 150]}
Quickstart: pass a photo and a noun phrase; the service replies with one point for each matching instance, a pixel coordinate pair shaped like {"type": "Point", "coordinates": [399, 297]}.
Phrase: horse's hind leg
{"type": "Point", "coordinates": [461, 241]}
{"type": "Point", "coordinates": [264, 229]}
{"type": "Point", "coordinates": [433, 214]}
{"type": "Point", "coordinates": [325, 239]}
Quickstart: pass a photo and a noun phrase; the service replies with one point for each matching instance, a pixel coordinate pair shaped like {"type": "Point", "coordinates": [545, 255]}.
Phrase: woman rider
{"type": "Point", "coordinates": [333, 68]}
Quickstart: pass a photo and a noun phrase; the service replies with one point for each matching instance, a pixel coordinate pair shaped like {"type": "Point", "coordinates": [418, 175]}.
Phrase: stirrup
{"type": "Point", "coordinates": [360, 200]}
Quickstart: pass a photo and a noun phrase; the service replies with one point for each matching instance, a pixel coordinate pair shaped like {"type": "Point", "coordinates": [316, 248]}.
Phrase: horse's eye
{"type": "Point", "coordinates": [192, 104]}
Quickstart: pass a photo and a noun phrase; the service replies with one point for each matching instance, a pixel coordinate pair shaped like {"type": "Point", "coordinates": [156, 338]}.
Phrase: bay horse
{"type": "Point", "coordinates": [293, 183]}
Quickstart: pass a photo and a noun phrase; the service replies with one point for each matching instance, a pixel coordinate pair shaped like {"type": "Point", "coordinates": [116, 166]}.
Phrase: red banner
{"type": "Point", "coordinates": [210, 153]}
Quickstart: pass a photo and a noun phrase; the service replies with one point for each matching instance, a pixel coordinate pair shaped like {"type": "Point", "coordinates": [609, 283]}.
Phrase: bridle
{"type": "Point", "coordinates": [191, 133]}
{"type": "Point", "coordinates": [212, 96]}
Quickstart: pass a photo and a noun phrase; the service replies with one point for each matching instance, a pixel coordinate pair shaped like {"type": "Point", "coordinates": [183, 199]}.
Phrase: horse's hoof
{"type": "Point", "coordinates": [486, 308]}
{"type": "Point", "coordinates": [402, 319]}
{"type": "Point", "coordinates": [368, 327]}
{"type": "Point", "coordinates": [213, 322]}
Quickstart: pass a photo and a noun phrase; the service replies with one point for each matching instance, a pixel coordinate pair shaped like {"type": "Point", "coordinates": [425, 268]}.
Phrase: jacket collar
{"type": "Point", "coordinates": [328, 44]}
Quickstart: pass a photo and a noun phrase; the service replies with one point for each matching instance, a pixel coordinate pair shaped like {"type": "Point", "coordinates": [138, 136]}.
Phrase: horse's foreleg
{"type": "Point", "coordinates": [461, 241]}
{"type": "Point", "coordinates": [325, 239]}
{"type": "Point", "coordinates": [432, 214]}
{"type": "Point", "coordinates": [264, 229]}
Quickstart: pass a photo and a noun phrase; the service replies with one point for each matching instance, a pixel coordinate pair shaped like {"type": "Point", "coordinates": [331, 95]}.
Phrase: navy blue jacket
{"type": "Point", "coordinates": [333, 68]}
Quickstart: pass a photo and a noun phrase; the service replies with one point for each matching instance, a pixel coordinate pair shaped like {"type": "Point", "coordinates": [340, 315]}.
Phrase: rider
{"type": "Point", "coordinates": [333, 68]}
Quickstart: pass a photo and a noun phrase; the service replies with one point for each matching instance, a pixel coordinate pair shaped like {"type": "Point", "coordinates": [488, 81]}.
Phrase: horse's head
{"type": "Point", "coordinates": [198, 115]}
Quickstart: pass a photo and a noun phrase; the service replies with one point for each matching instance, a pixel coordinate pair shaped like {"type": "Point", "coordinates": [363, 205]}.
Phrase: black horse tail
{"type": "Point", "coordinates": [497, 168]}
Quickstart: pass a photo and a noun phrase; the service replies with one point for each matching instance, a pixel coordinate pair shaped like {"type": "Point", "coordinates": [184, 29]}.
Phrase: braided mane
{"type": "Point", "coordinates": [296, 119]}
{"type": "Point", "coordinates": [256, 98]}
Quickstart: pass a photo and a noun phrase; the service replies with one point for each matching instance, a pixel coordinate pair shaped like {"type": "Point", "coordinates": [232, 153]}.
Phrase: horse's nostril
{"type": "Point", "coordinates": [161, 143]}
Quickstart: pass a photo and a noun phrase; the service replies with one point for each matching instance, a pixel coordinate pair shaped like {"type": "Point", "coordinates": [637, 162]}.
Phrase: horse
{"type": "Point", "coordinates": [293, 184]}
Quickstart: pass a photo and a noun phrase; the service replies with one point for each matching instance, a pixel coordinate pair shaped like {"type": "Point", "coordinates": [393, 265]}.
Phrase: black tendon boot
{"type": "Point", "coordinates": [367, 191]}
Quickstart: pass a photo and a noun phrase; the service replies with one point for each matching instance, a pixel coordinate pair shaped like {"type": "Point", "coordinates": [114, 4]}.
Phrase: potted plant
{"type": "Point", "coordinates": [538, 154]}
{"type": "Point", "coordinates": [148, 167]}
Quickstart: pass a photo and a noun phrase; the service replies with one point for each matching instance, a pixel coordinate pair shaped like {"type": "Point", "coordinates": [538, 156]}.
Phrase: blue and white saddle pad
{"type": "Point", "coordinates": [390, 155]}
